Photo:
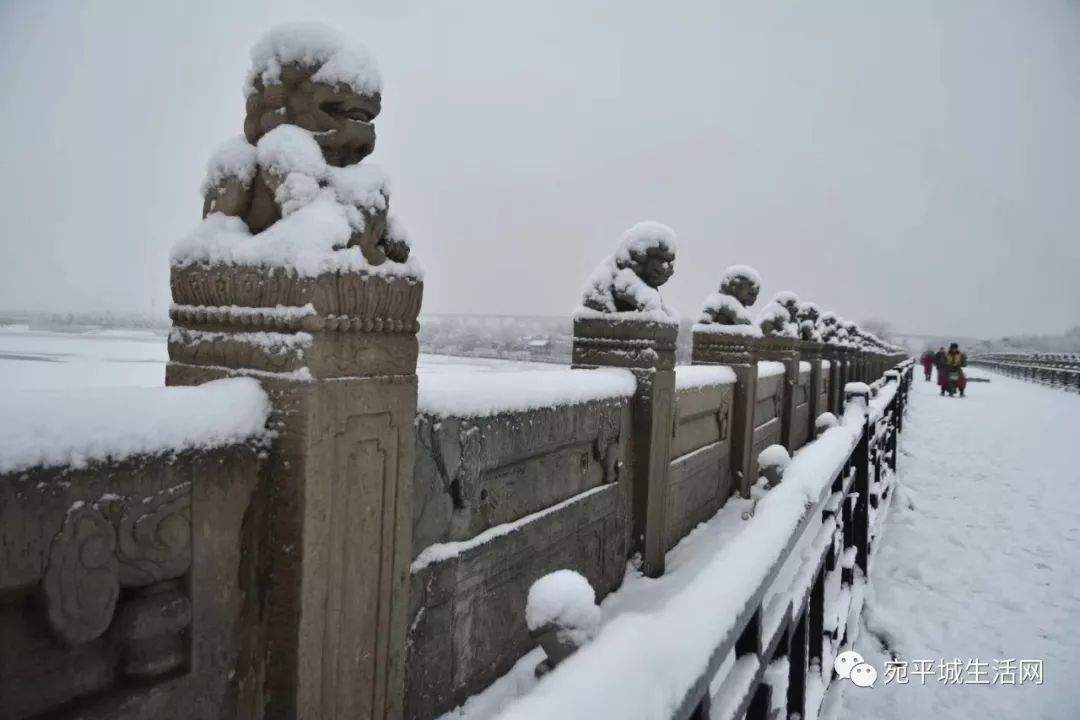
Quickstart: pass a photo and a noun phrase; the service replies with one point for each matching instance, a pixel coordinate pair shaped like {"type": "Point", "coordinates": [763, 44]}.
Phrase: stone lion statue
{"type": "Point", "coordinates": [312, 98]}
{"type": "Point", "coordinates": [774, 320]}
{"type": "Point", "coordinates": [829, 325]}
{"type": "Point", "coordinates": [780, 317]}
{"type": "Point", "coordinates": [627, 281]}
{"type": "Point", "coordinates": [739, 288]}
{"type": "Point", "coordinates": [808, 317]}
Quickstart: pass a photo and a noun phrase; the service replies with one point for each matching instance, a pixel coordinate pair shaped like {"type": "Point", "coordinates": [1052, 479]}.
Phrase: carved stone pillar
{"type": "Point", "coordinates": [647, 348]}
{"type": "Point", "coordinates": [843, 361]}
{"type": "Point", "coordinates": [785, 350]}
{"type": "Point", "coordinates": [739, 353]}
{"type": "Point", "coordinates": [836, 389]}
{"type": "Point", "coordinates": [811, 352]}
{"type": "Point", "coordinates": [337, 353]}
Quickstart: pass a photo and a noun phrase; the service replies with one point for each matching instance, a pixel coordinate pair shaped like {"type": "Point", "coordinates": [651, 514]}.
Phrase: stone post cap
{"type": "Point", "coordinates": [725, 347]}
{"type": "Point", "coordinates": [269, 320]}
{"type": "Point", "coordinates": [773, 347]}
{"type": "Point", "coordinates": [811, 350]}
{"type": "Point", "coordinates": [624, 342]}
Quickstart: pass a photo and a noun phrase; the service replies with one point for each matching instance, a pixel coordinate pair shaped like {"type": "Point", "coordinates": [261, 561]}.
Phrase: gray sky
{"type": "Point", "coordinates": [915, 161]}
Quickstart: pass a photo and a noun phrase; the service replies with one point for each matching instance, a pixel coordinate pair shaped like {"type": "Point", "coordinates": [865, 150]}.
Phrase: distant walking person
{"type": "Point", "coordinates": [951, 376]}
{"type": "Point", "coordinates": [939, 362]}
{"type": "Point", "coordinates": [927, 361]}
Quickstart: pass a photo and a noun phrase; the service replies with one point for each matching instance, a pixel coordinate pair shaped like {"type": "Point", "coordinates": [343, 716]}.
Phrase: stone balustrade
{"type": "Point", "coordinates": [371, 557]}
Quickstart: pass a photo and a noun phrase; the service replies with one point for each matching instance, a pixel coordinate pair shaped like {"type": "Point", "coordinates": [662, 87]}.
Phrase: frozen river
{"type": "Point", "coordinates": [41, 359]}
{"type": "Point", "coordinates": [49, 360]}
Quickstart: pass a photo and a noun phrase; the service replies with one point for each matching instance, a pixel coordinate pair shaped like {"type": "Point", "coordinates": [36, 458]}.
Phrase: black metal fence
{"type": "Point", "coordinates": [1056, 369]}
{"type": "Point", "coordinates": [851, 510]}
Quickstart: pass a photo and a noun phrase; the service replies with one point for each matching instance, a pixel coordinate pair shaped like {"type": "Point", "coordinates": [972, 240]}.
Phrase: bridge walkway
{"type": "Point", "coordinates": [981, 556]}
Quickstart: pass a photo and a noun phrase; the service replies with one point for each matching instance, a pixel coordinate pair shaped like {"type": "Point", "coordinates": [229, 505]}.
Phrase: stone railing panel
{"type": "Point", "coordinates": [122, 584]}
{"type": "Point", "coordinates": [475, 473]}
{"type": "Point", "coordinates": [768, 411]}
{"type": "Point", "coordinates": [699, 477]}
{"type": "Point", "coordinates": [801, 417]}
{"type": "Point", "coordinates": [467, 599]}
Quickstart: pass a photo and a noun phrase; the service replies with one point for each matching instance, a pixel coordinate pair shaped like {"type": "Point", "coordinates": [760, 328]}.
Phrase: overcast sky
{"type": "Point", "coordinates": [914, 161]}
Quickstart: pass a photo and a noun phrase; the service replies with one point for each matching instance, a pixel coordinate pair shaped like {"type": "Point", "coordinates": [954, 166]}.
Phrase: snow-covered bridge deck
{"type": "Point", "coordinates": [981, 556]}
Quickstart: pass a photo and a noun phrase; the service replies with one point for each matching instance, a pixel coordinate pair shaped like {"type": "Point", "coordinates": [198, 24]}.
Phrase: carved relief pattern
{"type": "Point", "coordinates": [465, 485]}
{"type": "Point", "coordinates": [82, 582]}
{"type": "Point", "coordinates": [606, 446]}
{"type": "Point", "coordinates": [154, 538]}
{"type": "Point", "coordinates": [342, 302]}
{"type": "Point", "coordinates": [723, 418]}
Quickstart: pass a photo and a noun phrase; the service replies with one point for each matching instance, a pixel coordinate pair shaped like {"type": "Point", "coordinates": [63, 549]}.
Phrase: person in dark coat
{"type": "Point", "coordinates": [955, 361]}
{"type": "Point", "coordinates": [939, 361]}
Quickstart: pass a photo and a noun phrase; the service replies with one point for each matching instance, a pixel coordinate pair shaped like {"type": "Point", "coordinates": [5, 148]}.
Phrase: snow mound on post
{"type": "Point", "coordinates": [774, 456]}
{"type": "Point", "coordinates": [52, 428]}
{"type": "Point", "coordinates": [857, 388]}
{"type": "Point", "coordinates": [342, 60]}
{"type": "Point", "coordinates": [825, 421]}
{"type": "Point", "coordinates": [566, 599]}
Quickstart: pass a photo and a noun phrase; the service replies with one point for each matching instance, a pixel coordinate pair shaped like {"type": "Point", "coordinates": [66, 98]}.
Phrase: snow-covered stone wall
{"type": "Point", "coordinates": [125, 517]}
{"type": "Point", "coordinates": [530, 475]}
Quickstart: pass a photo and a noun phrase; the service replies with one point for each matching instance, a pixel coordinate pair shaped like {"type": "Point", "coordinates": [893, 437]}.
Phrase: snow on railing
{"type": "Point", "coordinates": [75, 427]}
{"type": "Point", "coordinates": [1056, 369]}
{"type": "Point", "coordinates": [482, 392]}
{"type": "Point", "coordinates": [763, 586]}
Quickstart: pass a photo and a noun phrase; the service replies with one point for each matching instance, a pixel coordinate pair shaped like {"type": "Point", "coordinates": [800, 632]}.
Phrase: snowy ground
{"type": "Point", "coordinates": [980, 560]}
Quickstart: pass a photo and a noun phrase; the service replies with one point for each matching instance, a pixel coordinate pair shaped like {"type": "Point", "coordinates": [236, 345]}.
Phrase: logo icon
{"type": "Point", "coordinates": [845, 661]}
{"type": "Point", "coordinates": [864, 675]}
{"type": "Point", "coordinates": [851, 666]}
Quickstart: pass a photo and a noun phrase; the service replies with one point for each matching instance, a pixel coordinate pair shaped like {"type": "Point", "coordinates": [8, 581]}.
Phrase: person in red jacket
{"type": "Point", "coordinates": [927, 361]}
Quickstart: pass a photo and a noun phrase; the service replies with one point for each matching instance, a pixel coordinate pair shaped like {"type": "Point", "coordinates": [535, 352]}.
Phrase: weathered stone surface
{"type": "Point", "coordinates": [800, 419]}
{"type": "Point", "coordinates": [624, 343]}
{"type": "Point", "coordinates": [785, 350]}
{"type": "Point", "coordinates": [468, 619]}
{"type": "Point", "coordinates": [740, 354]}
{"type": "Point", "coordinates": [333, 326]}
{"type": "Point", "coordinates": [150, 627]}
{"type": "Point", "coordinates": [182, 659]}
{"type": "Point", "coordinates": [700, 475]}
{"type": "Point", "coordinates": [332, 611]}
{"type": "Point", "coordinates": [82, 577]}
{"type": "Point", "coordinates": [648, 349]}
{"type": "Point", "coordinates": [768, 408]}
{"type": "Point", "coordinates": [474, 473]}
